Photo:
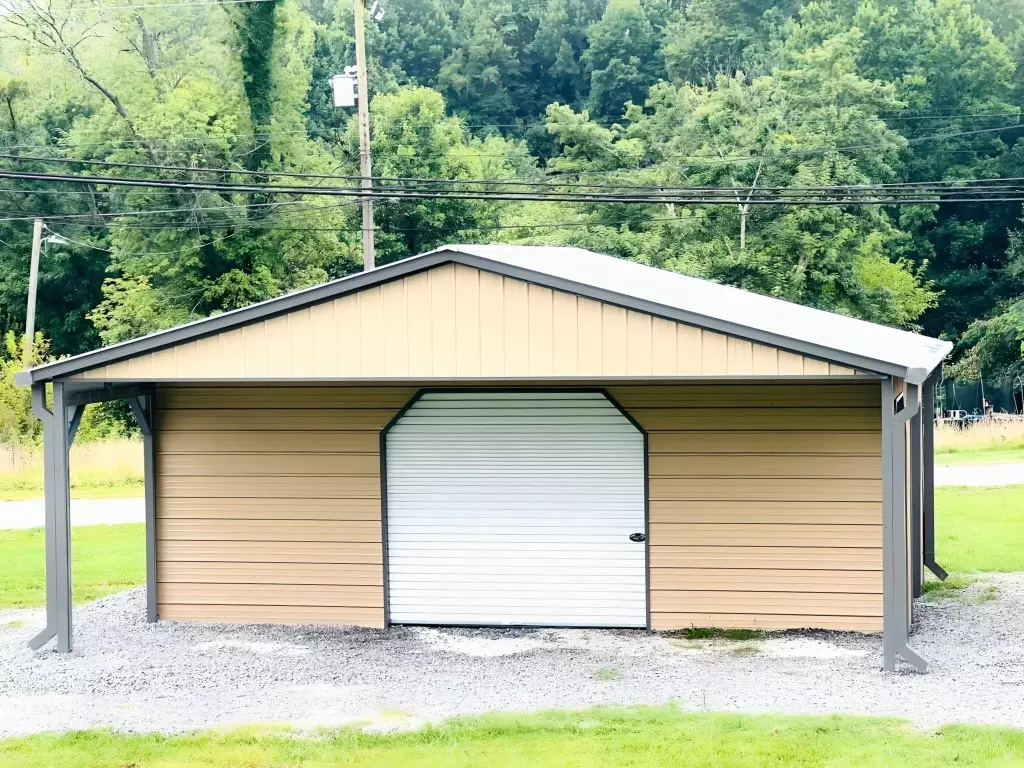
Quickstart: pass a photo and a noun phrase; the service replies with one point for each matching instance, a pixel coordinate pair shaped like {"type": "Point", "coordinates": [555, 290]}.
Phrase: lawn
{"type": "Point", "coordinates": [979, 457]}
{"type": "Point", "coordinates": [105, 559]}
{"type": "Point", "coordinates": [641, 738]}
{"type": "Point", "coordinates": [980, 529]}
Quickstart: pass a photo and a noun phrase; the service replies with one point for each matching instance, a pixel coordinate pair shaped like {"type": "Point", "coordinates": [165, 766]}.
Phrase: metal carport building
{"type": "Point", "coordinates": [500, 435]}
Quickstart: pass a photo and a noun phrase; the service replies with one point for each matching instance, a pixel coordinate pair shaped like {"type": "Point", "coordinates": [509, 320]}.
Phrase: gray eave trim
{"type": "Point", "coordinates": [273, 307]}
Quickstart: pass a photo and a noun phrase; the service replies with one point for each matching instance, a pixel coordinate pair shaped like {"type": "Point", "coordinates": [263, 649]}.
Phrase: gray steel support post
{"type": "Point", "coordinates": [142, 407]}
{"type": "Point", "coordinates": [895, 568]}
{"type": "Point", "coordinates": [62, 517]}
{"type": "Point", "coordinates": [915, 502]}
{"type": "Point", "coordinates": [49, 517]}
{"type": "Point", "coordinates": [928, 476]}
{"type": "Point", "coordinates": [57, 501]}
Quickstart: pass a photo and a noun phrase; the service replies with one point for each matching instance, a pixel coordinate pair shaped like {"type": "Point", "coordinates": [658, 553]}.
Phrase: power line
{"type": "Point", "coordinates": [706, 196]}
{"type": "Point", "coordinates": [176, 252]}
{"type": "Point", "coordinates": [466, 182]}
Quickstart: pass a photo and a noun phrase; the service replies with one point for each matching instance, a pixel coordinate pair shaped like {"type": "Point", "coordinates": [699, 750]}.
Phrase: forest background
{"type": "Point", "coordinates": [745, 94]}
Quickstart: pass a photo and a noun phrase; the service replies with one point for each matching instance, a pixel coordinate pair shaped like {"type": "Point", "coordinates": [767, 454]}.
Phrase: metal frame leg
{"type": "Point", "coordinates": [62, 517]}
{"type": "Point", "coordinates": [142, 407]}
{"type": "Point", "coordinates": [895, 566]}
{"type": "Point", "coordinates": [49, 517]}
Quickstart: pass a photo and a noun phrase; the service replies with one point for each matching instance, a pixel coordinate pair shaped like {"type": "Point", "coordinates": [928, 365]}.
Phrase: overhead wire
{"type": "Point", "coordinates": [535, 182]}
{"type": "Point", "coordinates": [708, 196]}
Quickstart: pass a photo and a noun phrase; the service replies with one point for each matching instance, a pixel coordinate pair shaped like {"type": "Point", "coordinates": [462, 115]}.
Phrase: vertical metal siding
{"type": "Point", "coordinates": [455, 322]}
{"type": "Point", "coordinates": [508, 508]}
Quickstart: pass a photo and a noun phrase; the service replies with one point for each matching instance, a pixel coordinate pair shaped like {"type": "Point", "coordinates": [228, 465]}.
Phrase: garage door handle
{"type": "Point", "coordinates": [637, 537]}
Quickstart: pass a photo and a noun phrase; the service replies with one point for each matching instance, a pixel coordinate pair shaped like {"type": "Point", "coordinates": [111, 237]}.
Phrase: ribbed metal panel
{"type": "Point", "coordinates": [509, 508]}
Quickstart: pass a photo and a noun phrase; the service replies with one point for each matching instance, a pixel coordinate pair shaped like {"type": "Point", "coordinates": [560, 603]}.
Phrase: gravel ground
{"type": "Point", "coordinates": [1004, 473]}
{"type": "Point", "coordinates": [170, 677]}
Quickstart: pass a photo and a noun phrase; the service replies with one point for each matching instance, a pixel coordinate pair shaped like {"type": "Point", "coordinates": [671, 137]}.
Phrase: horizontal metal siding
{"type": "Point", "coordinates": [765, 503]}
{"type": "Point", "coordinates": [515, 508]}
{"type": "Point", "coordinates": [269, 505]}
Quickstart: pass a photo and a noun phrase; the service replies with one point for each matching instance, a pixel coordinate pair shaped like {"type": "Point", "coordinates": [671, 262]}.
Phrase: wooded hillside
{"type": "Point", "coordinates": [746, 94]}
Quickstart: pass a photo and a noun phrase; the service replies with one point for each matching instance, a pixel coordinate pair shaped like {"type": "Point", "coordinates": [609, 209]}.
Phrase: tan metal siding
{"type": "Point", "coordinates": [765, 503]}
{"type": "Point", "coordinates": [454, 322]}
{"type": "Point", "coordinates": [268, 503]}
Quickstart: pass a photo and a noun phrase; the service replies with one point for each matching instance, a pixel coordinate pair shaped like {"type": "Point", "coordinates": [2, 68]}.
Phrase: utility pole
{"type": "Point", "coordinates": [363, 104]}
{"type": "Point", "coordinates": [33, 281]}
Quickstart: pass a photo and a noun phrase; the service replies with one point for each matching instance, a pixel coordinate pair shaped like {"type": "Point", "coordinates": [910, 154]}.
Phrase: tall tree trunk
{"type": "Point", "coordinates": [255, 26]}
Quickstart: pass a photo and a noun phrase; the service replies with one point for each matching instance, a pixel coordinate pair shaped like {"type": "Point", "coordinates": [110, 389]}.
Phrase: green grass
{"type": "Point", "coordinates": [980, 529]}
{"type": "Point", "coordinates": [713, 633]}
{"type": "Point", "coordinates": [745, 649]}
{"type": "Point", "coordinates": [113, 491]}
{"type": "Point", "coordinates": [979, 457]}
{"type": "Point", "coordinates": [105, 559]}
{"type": "Point", "coordinates": [639, 738]}
{"type": "Point", "coordinates": [607, 674]}
{"type": "Point", "coordinates": [953, 587]}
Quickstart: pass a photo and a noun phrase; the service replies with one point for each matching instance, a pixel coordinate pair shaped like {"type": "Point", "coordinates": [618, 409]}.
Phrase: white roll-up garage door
{"type": "Point", "coordinates": [508, 508]}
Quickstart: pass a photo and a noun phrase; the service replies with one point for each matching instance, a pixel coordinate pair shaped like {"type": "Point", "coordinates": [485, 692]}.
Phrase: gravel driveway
{"type": "Point", "coordinates": [167, 677]}
{"type": "Point", "coordinates": [1005, 473]}
{"type": "Point", "coordinates": [30, 513]}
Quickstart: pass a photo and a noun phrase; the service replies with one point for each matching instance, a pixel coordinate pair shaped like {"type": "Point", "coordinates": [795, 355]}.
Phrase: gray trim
{"type": "Point", "coordinates": [45, 415]}
{"type": "Point", "coordinates": [138, 405]}
{"type": "Point", "coordinates": [888, 577]}
{"type": "Point", "coordinates": [85, 393]}
{"type": "Point", "coordinates": [465, 380]}
{"type": "Point", "coordinates": [61, 491]}
{"type": "Point", "coordinates": [896, 604]}
{"type": "Point", "coordinates": [415, 264]}
{"type": "Point", "coordinates": [148, 427]}
{"type": "Point", "coordinates": [77, 411]}
{"type": "Point", "coordinates": [928, 477]}
{"type": "Point", "coordinates": [915, 502]}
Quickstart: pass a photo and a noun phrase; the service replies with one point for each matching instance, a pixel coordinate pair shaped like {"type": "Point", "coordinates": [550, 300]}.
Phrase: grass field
{"type": "Point", "coordinates": [105, 559]}
{"type": "Point", "coordinates": [105, 469]}
{"type": "Point", "coordinates": [661, 737]}
{"type": "Point", "coordinates": [979, 457]}
{"type": "Point", "coordinates": [981, 437]}
{"type": "Point", "coordinates": [980, 529]}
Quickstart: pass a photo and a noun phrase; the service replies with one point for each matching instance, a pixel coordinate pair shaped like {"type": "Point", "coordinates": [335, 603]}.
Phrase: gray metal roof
{"type": "Point", "coordinates": [825, 335]}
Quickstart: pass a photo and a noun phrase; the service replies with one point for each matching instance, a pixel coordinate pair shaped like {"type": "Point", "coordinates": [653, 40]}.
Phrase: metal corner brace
{"type": "Point", "coordinates": [896, 586]}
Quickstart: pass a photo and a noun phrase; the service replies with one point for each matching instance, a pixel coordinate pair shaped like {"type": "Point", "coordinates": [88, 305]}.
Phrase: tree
{"type": "Point", "coordinates": [416, 38]}
{"type": "Point", "coordinates": [623, 58]}
{"type": "Point", "coordinates": [412, 138]}
{"type": "Point", "coordinates": [720, 37]}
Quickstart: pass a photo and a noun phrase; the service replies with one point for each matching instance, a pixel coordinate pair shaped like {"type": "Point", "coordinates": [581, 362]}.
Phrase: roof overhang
{"type": "Point", "coordinates": [400, 269]}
